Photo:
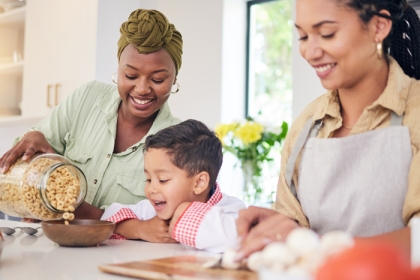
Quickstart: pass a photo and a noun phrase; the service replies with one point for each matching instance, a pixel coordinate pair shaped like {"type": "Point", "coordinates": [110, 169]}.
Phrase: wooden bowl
{"type": "Point", "coordinates": [79, 232]}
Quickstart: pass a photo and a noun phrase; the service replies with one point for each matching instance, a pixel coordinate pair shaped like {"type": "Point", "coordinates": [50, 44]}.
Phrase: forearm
{"type": "Point", "coordinates": [87, 211]}
{"type": "Point", "coordinates": [402, 238]}
{"type": "Point", "coordinates": [153, 230]}
{"type": "Point", "coordinates": [130, 229]}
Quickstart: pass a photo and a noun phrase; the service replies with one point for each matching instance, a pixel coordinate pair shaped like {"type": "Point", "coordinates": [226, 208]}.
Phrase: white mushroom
{"type": "Point", "coordinates": [334, 242]}
{"type": "Point", "coordinates": [278, 254]}
{"type": "Point", "coordinates": [303, 241]}
{"type": "Point", "coordinates": [255, 261]}
{"type": "Point", "coordinates": [298, 272]}
{"type": "Point", "coordinates": [277, 267]}
{"type": "Point", "coordinates": [311, 261]}
{"type": "Point", "coordinates": [228, 259]}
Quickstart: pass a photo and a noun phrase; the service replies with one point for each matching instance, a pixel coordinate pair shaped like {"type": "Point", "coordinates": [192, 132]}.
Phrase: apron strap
{"type": "Point", "coordinates": [307, 130]}
{"type": "Point", "coordinates": [395, 119]}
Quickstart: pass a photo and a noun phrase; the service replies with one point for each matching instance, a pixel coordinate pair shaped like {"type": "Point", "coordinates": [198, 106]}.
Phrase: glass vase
{"type": "Point", "coordinates": [252, 189]}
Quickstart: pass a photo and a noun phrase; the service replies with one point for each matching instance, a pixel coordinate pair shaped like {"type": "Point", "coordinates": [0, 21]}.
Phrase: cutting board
{"type": "Point", "coordinates": [180, 267]}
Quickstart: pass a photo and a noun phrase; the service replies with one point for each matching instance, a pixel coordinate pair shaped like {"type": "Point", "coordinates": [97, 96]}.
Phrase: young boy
{"type": "Point", "coordinates": [181, 164]}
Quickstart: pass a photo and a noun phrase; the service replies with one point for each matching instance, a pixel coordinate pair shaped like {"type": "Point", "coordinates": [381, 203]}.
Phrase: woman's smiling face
{"type": "Point", "coordinates": [335, 42]}
{"type": "Point", "coordinates": [144, 81]}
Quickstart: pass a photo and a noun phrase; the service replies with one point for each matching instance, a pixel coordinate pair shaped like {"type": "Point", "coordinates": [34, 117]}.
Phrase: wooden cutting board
{"type": "Point", "coordinates": [180, 267]}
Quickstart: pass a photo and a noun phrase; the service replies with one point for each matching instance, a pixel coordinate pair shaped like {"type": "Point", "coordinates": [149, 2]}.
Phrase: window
{"type": "Point", "coordinates": [269, 61]}
{"type": "Point", "coordinates": [269, 74]}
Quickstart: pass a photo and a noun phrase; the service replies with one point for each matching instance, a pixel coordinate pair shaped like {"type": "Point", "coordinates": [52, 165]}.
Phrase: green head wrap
{"type": "Point", "coordinates": [149, 31]}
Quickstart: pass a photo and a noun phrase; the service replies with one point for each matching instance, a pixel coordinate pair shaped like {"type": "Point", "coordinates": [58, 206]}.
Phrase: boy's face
{"type": "Point", "coordinates": [167, 186]}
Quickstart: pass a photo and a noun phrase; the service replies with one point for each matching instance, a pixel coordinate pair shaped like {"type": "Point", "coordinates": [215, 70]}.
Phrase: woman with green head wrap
{"type": "Point", "coordinates": [149, 31]}
{"type": "Point", "coordinates": [102, 128]}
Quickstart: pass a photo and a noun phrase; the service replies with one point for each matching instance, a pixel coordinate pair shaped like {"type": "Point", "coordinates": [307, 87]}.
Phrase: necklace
{"type": "Point", "coordinates": [347, 127]}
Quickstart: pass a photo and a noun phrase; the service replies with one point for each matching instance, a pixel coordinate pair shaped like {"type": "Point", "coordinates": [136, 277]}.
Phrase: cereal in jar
{"type": "Point", "coordinates": [44, 188]}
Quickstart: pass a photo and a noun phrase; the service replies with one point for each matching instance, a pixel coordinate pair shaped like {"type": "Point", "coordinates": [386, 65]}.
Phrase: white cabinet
{"type": "Point", "coordinates": [11, 64]}
{"type": "Point", "coordinates": [64, 43]}
{"type": "Point", "coordinates": [60, 44]}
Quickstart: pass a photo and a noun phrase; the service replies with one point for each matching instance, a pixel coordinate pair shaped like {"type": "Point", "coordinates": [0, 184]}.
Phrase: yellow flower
{"type": "Point", "coordinates": [249, 132]}
{"type": "Point", "coordinates": [223, 129]}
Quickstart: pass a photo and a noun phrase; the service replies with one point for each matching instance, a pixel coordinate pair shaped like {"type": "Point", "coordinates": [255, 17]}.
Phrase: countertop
{"type": "Point", "coordinates": [36, 257]}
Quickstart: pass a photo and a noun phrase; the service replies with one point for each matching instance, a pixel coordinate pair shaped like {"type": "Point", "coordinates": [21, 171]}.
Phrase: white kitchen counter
{"type": "Point", "coordinates": [38, 258]}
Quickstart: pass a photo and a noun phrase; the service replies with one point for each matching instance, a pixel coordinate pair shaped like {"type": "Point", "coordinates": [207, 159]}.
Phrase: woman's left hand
{"type": "Point", "coordinates": [259, 226]}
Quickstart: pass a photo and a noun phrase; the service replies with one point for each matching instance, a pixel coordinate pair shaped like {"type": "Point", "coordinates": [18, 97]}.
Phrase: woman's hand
{"type": "Point", "coordinates": [32, 142]}
{"type": "Point", "coordinates": [259, 226]}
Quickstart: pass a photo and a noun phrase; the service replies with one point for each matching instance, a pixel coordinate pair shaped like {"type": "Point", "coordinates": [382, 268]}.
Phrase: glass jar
{"type": "Point", "coordinates": [43, 188]}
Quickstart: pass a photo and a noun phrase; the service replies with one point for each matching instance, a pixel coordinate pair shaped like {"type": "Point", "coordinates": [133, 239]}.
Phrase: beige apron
{"type": "Point", "coordinates": [356, 183]}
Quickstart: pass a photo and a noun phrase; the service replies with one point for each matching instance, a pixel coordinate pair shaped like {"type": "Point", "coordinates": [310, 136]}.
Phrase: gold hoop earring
{"type": "Point", "coordinates": [178, 87]}
{"type": "Point", "coordinates": [112, 78]}
{"type": "Point", "coordinates": [379, 49]}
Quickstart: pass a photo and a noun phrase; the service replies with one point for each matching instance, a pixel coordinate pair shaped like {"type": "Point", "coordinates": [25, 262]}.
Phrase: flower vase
{"type": "Point", "coordinates": [252, 190]}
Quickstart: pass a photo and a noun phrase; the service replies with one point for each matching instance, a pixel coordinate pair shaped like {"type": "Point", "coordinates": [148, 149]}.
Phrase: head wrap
{"type": "Point", "coordinates": [149, 31]}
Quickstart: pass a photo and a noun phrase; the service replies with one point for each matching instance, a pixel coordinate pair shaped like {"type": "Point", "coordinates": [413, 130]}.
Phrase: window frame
{"type": "Point", "coordinates": [249, 5]}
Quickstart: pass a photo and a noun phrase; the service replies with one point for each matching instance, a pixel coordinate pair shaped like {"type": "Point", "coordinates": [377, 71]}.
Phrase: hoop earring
{"type": "Point", "coordinates": [178, 87]}
{"type": "Point", "coordinates": [379, 49]}
{"type": "Point", "coordinates": [112, 78]}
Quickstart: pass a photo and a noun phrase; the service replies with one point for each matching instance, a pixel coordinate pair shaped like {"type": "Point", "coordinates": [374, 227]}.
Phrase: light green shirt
{"type": "Point", "coordinates": [83, 129]}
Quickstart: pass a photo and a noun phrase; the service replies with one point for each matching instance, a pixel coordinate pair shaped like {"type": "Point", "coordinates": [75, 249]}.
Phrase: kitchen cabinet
{"type": "Point", "coordinates": [60, 44]}
{"type": "Point", "coordinates": [64, 44]}
{"type": "Point", "coordinates": [11, 64]}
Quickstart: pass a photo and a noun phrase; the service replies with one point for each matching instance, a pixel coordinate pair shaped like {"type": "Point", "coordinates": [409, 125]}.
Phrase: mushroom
{"type": "Point", "coordinates": [278, 254]}
{"type": "Point", "coordinates": [228, 259]}
{"type": "Point", "coordinates": [303, 241]}
{"type": "Point", "coordinates": [255, 261]}
{"type": "Point", "coordinates": [311, 261]}
{"type": "Point", "coordinates": [336, 241]}
{"type": "Point", "coordinates": [299, 272]}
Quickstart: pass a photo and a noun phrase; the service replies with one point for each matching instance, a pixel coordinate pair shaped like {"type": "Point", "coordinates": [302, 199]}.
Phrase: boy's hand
{"type": "Point", "coordinates": [153, 230]}
{"type": "Point", "coordinates": [156, 230]}
{"type": "Point", "coordinates": [178, 212]}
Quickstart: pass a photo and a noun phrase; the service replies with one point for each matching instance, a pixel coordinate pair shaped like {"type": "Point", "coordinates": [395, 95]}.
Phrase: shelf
{"type": "Point", "coordinates": [13, 68]}
{"type": "Point", "coordinates": [13, 17]}
{"type": "Point", "coordinates": [19, 120]}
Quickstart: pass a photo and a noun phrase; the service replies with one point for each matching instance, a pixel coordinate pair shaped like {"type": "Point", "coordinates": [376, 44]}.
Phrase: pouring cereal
{"type": "Point", "coordinates": [44, 188]}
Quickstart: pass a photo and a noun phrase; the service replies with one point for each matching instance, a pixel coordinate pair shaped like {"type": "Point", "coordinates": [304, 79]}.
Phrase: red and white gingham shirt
{"type": "Point", "coordinates": [186, 227]}
{"type": "Point", "coordinates": [122, 215]}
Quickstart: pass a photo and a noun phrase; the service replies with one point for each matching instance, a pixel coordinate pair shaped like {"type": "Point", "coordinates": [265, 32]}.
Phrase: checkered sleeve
{"type": "Point", "coordinates": [186, 228]}
{"type": "Point", "coordinates": [122, 215]}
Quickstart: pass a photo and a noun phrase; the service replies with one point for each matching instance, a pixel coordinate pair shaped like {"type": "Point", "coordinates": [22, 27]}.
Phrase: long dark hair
{"type": "Point", "coordinates": [403, 43]}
